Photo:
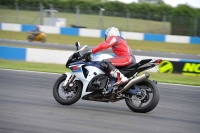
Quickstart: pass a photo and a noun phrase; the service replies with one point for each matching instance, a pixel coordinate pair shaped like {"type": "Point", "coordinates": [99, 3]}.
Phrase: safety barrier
{"type": "Point", "coordinates": [168, 65]}
{"type": "Point", "coordinates": [100, 33]}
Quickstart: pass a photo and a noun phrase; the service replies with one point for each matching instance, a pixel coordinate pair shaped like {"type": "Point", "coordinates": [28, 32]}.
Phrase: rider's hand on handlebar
{"type": "Point", "coordinates": [87, 55]}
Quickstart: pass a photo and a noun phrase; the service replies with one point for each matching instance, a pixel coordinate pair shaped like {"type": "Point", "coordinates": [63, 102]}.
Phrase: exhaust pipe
{"type": "Point", "coordinates": [134, 81]}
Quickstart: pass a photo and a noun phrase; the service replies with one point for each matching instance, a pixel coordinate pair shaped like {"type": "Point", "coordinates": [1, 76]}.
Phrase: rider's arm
{"type": "Point", "coordinates": [36, 31]}
{"type": "Point", "coordinates": [105, 45]}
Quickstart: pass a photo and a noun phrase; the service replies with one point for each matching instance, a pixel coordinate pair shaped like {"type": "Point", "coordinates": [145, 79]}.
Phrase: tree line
{"type": "Point", "coordinates": [133, 8]}
{"type": "Point", "coordinates": [181, 17]}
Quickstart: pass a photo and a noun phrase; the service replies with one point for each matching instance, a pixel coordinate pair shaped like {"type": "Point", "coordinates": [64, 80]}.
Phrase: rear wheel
{"type": "Point", "coordinates": [67, 95]}
{"type": "Point", "coordinates": [43, 40]}
{"type": "Point", "coordinates": [147, 100]}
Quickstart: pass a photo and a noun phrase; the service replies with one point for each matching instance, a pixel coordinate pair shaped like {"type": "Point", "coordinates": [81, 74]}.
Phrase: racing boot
{"type": "Point", "coordinates": [121, 79]}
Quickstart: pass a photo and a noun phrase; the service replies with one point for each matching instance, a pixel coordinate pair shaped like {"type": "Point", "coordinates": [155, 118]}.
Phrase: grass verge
{"type": "Point", "coordinates": [55, 68]}
{"type": "Point", "coordinates": [141, 45]}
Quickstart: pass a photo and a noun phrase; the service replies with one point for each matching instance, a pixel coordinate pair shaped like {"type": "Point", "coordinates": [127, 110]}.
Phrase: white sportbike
{"type": "Point", "coordinates": [88, 81]}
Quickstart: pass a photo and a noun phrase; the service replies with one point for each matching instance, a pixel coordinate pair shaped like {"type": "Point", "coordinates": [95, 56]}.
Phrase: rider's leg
{"type": "Point", "coordinates": [120, 61]}
{"type": "Point", "coordinates": [113, 71]}
{"type": "Point", "coordinates": [34, 35]}
{"type": "Point", "coordinates": [121, 79]}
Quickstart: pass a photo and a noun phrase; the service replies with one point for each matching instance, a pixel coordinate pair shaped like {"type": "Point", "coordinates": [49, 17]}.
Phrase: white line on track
{"type": "Point", "coordinates": [28, 71]}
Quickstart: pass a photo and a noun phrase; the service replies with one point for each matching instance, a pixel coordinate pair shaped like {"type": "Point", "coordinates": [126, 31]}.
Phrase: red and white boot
{"type": "Point", "coordinates": [121, 79]}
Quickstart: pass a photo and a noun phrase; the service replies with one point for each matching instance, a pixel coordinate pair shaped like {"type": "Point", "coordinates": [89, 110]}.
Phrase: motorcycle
{"type": "Point", "coordinates": [88, 81]}
{"type": "Point", "coordinates": [41, 37]}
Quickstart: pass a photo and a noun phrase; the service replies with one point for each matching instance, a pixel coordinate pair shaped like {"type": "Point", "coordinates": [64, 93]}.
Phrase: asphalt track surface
{"type": "Point", "coordinates": [27, 106]}
{"type": "Point", "coordinates": [73, 48]}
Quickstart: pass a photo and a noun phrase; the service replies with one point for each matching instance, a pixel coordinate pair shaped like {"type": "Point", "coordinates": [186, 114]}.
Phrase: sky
{"type": "Point", "coordinates": [174, 3]}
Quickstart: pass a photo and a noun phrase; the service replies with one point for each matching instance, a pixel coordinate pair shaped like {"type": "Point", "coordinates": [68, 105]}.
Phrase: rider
{"type": "Point", "coordinates": [36, 31]}
{"type": "Point", "coordinates": [123, 54]}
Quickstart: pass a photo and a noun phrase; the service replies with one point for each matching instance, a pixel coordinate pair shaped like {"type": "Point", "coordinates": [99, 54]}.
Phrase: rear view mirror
{"type": "Point", "coordinates": [77, 44]}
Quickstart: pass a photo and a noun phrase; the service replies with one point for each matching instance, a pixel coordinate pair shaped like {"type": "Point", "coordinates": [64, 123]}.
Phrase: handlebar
{"type": "Point", "coordinates": [87, 56]}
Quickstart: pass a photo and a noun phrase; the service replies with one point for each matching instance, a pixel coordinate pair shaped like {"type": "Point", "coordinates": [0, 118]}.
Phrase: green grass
{"type": "Point", "coordinates": [43, 67]}
{"type": "Point", "coordinates": [88, 20]}
{"type": "Point", "coordinates": [55, 68]}
{"type": "Point", "coordinates": [137, 45]}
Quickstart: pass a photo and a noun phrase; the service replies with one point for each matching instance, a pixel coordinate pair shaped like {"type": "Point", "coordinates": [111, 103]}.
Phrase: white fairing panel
{"type": "Point", "coordinates": [100, 57]}
{"type": "Point", "coordinates": [93, 71]}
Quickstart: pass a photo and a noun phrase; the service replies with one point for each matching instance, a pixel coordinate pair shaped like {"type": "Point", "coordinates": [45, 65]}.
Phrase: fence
{"type": "Point", "coordinates": [101, 19]}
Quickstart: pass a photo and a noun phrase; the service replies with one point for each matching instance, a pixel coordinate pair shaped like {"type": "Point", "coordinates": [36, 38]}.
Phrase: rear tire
{"type": "Point", "coordinates": [43, 40]}
{"type": "Point", "coordinates": [58, 87]}
{"type": "Point", "coordinates": [151, 104]}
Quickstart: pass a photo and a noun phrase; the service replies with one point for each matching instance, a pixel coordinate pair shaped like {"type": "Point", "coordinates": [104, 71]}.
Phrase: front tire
{"type": "Point", "coordinates": [69, 95]}
{"type": "Point", "coordinates": [29, 38]}
{"type": "Point", "coordinates": [149, 102]}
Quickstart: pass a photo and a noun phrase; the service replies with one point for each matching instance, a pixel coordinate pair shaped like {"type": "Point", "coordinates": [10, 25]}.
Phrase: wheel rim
{"type": "Point", "coordinates": [67, 93]}
{"type": "Point", "coordinates": [144, 100]}
{"type": "Point", "coordinates": [43, 40]}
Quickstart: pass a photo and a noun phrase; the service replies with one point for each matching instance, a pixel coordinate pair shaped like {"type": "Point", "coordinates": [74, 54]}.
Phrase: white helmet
{"type": "Point", "coordinates": [112, 31]}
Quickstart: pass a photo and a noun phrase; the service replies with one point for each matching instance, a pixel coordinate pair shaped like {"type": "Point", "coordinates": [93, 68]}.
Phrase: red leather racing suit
{"type": "Point", "coordinates": [124, 55]}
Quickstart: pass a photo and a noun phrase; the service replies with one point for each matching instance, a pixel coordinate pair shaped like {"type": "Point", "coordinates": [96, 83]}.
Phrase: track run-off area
{"type": "Point", "coordinates": [27, 106]}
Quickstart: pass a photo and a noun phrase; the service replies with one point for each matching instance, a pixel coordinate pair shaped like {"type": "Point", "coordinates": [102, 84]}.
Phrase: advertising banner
{"type": "Point", "coordinates": [185, 68]}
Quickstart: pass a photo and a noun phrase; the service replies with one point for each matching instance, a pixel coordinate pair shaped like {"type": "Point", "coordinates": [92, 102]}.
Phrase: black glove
{"type": "Point", "coordinates": [87, 55]}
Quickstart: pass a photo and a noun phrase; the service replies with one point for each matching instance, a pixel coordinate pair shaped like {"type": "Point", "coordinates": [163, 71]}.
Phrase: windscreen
{"type": "Point", "coordinates": [83, 50]}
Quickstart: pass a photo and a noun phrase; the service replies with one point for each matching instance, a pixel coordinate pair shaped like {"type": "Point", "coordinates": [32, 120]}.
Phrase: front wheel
{"type": "Point", "coordinates": [147, 100]}
{"type": "Point", "coordinates": [67, 95]}
{"type": "Point", "coordinates": [29, 38]}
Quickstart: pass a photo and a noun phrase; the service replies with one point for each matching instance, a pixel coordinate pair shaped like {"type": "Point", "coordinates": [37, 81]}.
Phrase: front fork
{"type": "Point", "coordinates": [68, 81]}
